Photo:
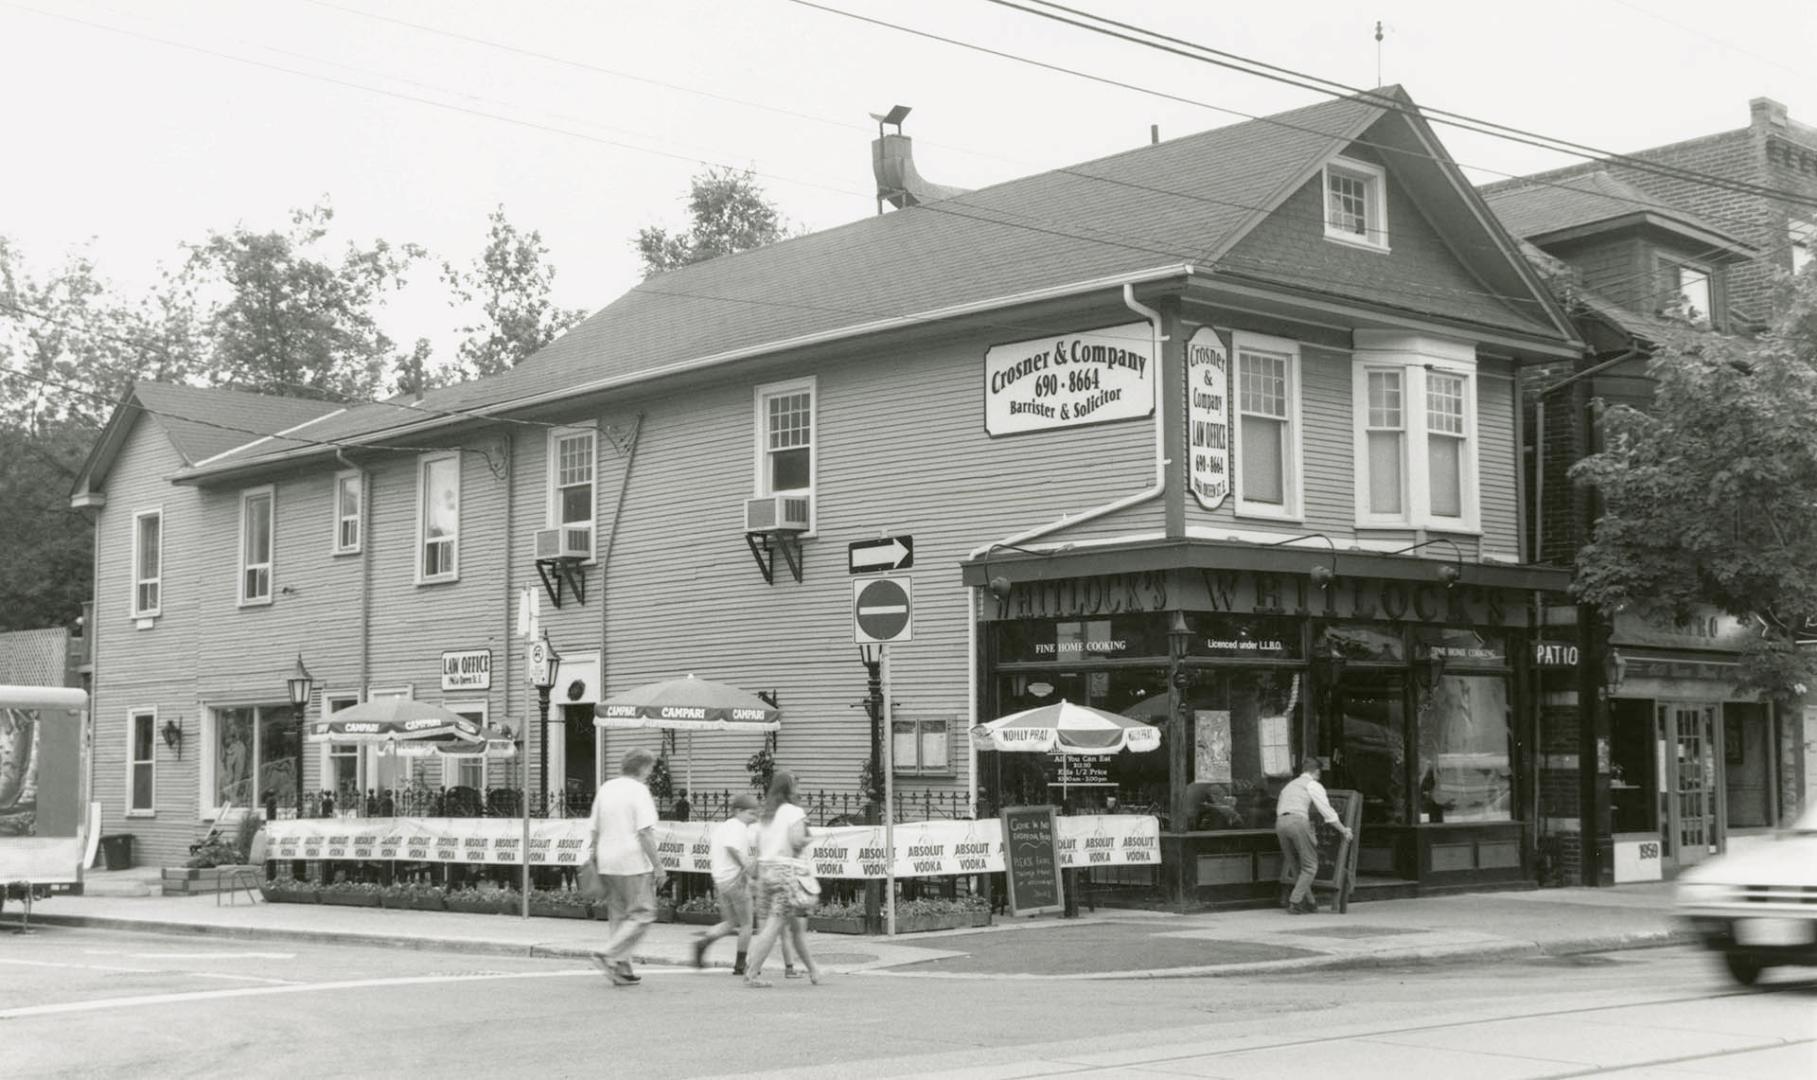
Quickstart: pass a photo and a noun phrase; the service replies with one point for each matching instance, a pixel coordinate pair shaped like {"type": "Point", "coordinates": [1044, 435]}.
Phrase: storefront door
{"type": "Point", "coordinates": [580, 769]}
{"type": "Point", "coordinates": [1688, 739]}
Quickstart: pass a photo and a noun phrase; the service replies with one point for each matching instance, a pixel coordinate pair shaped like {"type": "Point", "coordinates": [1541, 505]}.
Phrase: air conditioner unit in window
{"type": "Point", "coordinates": [566, 542]}
{"type": "Point", "coordinates": [777, 514]}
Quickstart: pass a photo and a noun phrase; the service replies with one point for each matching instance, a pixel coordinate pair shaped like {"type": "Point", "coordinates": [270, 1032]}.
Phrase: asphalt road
{"type": "Point", "coordinates": [80, 1003]}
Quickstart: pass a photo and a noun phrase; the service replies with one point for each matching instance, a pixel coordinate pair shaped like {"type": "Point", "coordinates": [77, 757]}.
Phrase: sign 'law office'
{"type": "Point", "coordinates": [1069, 380]}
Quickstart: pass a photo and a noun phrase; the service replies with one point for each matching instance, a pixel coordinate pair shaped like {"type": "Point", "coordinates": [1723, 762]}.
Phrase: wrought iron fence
{"type": "Point", "coordinates": [823, 808]}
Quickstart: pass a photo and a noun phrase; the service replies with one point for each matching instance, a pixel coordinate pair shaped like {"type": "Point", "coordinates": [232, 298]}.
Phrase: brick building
{"type": "Point", "coordinates": [1638, 255]}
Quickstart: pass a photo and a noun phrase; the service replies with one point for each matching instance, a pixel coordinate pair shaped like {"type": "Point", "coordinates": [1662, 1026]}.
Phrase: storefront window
{"type": "Point", "coordinates": [1466, 750]}
{"type": "Point", "coordinates": [1369, 747]}
{"type": "Point", "coordinates": [1130, 782]}
{"type": "Point", "coordinates": [1243, 730]}
{"type": "Point", "coordinates": [1746, 757]}
{"type": "Point", "coordinates": [1633, 767]}
{"type": "Point", "coordinates": [255, 755]}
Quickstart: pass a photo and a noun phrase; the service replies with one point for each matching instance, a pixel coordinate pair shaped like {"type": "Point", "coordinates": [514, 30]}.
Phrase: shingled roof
{"type": "Point", "coordinates": [1158, 209]}
{"type": "Point", "coordinates": [1541, 210]}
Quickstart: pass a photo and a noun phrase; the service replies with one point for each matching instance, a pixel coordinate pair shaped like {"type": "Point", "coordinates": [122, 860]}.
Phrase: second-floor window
{"type": "Point", "coordinates": [349, 503]}
{"type": "Point", "coordinates": [148, 563]}
{"type": "Point", "coordinates": [1415, 407]}
{"type": "Point", "coordinates": [1267, 443]}
{"type": "Point", "coordinates": [571, 501]}
{"type": "Point", "coordinates": [255, 546]}
{"type": "Point", "coordinates": [785, 417]}
{"type": "Point", "coordinates": [440, 518]}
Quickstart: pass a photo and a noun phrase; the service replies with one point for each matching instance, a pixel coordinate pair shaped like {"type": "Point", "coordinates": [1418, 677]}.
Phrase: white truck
{"type": "Point", "coordinates": [44, 816]}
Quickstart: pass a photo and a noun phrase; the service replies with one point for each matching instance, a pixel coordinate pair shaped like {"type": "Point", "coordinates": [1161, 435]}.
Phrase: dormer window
{"type": "Point", "coordinates": [1356, 204]}
{"type": "Point", "coordinates": [1691, 298]}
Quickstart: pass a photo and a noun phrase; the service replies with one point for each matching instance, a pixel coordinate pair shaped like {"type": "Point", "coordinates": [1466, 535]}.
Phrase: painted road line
{"type": "Point", "coordinates": [78, 967]}
{"type": "Point", "coordinates": [193, 955]}
{"type": "Point", "coordinates": [300, 988]}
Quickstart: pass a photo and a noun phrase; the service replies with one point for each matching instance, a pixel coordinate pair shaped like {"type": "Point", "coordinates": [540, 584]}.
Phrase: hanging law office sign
{"type": "Point", "coordinates": [1208, 417]}
{"type": "Point", "coordinates": [1069, 380]}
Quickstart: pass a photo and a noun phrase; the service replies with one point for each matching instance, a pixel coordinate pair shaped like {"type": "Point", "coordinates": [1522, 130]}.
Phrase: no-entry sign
{"type": "Point", "coordinates": [880, 610]}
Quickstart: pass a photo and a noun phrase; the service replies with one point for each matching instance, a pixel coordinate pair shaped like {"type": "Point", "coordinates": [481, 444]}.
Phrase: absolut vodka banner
{"type": "Point", "coordinates": [923, 849]}
{"type": "Point", "coordinates": [1069, 380]}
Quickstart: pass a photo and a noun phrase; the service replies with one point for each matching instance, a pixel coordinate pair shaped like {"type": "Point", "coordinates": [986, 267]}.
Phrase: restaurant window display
{"type": "Point", "coordinates": [1466, 751]}
{"type": "Point", "coordinates": [1129, 782]}
{"type": "Point", "coordinates": [255, 753]}
{"type": "Point", "coordinates": [1242, 726]}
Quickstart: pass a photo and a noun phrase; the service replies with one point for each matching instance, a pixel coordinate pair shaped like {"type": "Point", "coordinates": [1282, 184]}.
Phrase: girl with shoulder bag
{"type": "Point", "coordinates": [781, 838]}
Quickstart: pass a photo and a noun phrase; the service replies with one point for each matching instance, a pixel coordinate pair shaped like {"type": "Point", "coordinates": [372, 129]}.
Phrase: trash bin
{"type": "Point", "coordinates": [116, 851]}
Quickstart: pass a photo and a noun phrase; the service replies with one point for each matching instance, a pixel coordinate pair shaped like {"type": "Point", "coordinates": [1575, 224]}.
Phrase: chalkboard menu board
{"type": "Point", "coordinates": [1031, 859]}
{"type": "Point", "coordinates": [1337, 856]}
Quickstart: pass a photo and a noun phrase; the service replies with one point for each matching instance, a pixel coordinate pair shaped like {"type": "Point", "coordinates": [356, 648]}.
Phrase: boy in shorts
{"type": "Point", "coordinates": [731, 863]}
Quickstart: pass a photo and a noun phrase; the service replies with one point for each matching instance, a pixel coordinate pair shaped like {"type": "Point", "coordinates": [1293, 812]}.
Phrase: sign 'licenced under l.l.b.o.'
{"type": "Point", "coordinates": [1069, 380]}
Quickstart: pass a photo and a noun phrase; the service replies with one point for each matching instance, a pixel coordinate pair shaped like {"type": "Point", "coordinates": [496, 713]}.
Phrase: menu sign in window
{"type": "Point", "coordinates": [1031, 856]}
{"type": "Point", "coordinates": [1080, 770]}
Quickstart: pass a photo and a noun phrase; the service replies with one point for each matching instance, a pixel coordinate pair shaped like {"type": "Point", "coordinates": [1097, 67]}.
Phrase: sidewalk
{"type": "Point", "coordinates": [1101, 945]}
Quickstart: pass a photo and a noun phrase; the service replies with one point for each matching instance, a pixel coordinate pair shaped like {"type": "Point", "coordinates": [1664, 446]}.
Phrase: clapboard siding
{"type": "Point", "coordinates": [1495, 406]}
{"type": "Point", "coordinates": [151, 668]}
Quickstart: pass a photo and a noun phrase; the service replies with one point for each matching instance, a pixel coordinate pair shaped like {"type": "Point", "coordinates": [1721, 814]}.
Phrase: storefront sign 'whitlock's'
{"type": "Point", "coordinates": [1208, 417]}
{"type": "Point", "coordinates": [1246, 592]}
{"type": "Point", "coordinates": [1070, 380]}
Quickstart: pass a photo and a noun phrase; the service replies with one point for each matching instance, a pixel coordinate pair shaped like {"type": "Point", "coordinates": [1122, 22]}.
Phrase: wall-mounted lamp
{"type": "Point", "coordinates": [1000, 586]}
{"type": "Point", "coordinates": [1322, 576]}
{"type": "Point", "coordinates": [1449, 573]}
{"type": "Point", "coordinates": [1430, 670]}
{"type": "Point", "coordinates": [173, 736]}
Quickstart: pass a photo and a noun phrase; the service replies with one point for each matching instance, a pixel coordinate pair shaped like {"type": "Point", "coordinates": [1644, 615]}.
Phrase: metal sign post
{"type": "Point", "coordinates": [889, 802]}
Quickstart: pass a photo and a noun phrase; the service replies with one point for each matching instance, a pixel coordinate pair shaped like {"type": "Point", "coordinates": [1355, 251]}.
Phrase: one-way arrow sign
{"type": "Point", "coordinates": [883, 553]}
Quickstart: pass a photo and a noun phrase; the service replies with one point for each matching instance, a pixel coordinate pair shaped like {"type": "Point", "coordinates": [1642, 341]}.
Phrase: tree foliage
{"type": "Point", "coordinates": [285, 319]}
{"type": "Point", "coordinates": [1709, 496]}
{"type": "Point", "coordinates": [727, 212]}
{"type": "Point", "coordinates": [511, 280]}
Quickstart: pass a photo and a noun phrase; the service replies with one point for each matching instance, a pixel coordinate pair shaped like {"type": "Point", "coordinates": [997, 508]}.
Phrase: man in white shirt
{"type": "Point", "coordinates": [1293, 828]}
{"type": "Point", "coordinates": [624, 849]}
{"type": "Point", "coordinates": [732, 865]}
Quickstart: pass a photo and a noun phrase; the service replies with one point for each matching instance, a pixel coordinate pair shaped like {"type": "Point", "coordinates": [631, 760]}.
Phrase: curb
{"type": "Point", "coordinates": [1432, 957]}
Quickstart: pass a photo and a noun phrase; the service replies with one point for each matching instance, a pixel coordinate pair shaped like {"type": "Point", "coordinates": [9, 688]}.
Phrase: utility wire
{"type": "Point", "coordinates": [1232, 61]}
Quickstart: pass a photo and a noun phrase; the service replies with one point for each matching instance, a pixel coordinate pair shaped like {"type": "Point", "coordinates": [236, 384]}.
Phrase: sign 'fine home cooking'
{"type": "Point", "coordinates": [1069, 380]}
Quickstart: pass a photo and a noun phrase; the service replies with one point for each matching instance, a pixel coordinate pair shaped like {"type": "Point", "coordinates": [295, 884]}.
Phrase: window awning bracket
{"type": "Point", "coordinates": [764, 551]}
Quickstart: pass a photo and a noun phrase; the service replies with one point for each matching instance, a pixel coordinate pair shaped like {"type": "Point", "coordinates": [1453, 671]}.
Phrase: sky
{"type": "Point", "coordinates": [135, 127]}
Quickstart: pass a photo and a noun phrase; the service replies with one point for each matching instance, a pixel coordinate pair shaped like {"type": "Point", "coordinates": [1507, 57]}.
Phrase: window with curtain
{"type": "Point", "coordinates": [1264, 421]}
{"type": "Point", "coordinates": [255, 547]}
{"type": "Point", "coordinates": [1385, 431]}
{"type": "Point", "coordinates": [142, 737]}
{"type": "Point", "coordinates": [1445, 435]}
{"type": "Point", "coordinates": [441, 518]}
{"type": "Point", "coordinates": [349, 494]}
{"type": "Point", "coordinates": [148, 563]}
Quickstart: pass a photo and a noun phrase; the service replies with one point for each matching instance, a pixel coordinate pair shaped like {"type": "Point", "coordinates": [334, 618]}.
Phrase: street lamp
{"type": "Point", "coordinates": [543, 668]}
{"type": "Point", "coordinates": [299, 684]}
{"type": "Point", "coordinates": [1179, 642]}
{"type": "Point", "coordinates": [871, 655]}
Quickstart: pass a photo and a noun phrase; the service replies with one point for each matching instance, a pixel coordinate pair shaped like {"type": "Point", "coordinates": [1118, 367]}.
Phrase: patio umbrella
{"type": "Point", "coordinates": [688, 705]}
{"type": "Point", "coordinates": [1065, 728]}
{"type": "Point", "coordinates": [395, 720]}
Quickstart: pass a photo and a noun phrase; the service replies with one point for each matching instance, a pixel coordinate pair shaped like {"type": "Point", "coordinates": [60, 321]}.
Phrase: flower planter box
{"type": "Point", "coordinates": [350, 899]}
{"type": "Point", "coordinates": [697, 918]}
{"type": "Point", "coordinates": [836, 924]}
{"type": "Point", "coordinates": [193, 881]}
{"type": "Point", "coordinates": [956, 920]}
{"type": "Point", "coordinates": [558, 911]}
{"type": "Point", "coordinates": [412, 903]}
{"type": "Point", "coordinates": [288, 896]}
{"type": "Point", "coordinates": [481, 907]}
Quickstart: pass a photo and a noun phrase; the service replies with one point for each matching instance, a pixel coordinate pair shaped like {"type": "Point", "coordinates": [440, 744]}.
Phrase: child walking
{"type": "Point", "coordinates": [732, 867]}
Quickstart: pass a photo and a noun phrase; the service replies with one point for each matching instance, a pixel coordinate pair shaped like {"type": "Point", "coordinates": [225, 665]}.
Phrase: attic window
{"type": "Point", "coordinates": [1355, 204]}
{"type": "Point", "coordinates": [1691, 295]}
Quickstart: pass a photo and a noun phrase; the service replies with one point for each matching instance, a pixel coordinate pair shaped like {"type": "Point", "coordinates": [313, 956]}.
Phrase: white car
{"type": "Point", "coordinates": [1758, 907]}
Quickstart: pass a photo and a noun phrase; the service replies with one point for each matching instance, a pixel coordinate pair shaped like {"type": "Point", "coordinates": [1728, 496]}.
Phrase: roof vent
{"type": "Point", "coordinates": [893, 163]}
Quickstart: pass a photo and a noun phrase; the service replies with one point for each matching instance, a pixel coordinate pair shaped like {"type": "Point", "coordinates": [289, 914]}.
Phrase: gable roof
{"type": "Point", "coordinates": [1594, 202]}
{"type": "Point", "coordinates": [1144, 214]}
{"type": "Point", "coordinates": [200, 422]}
